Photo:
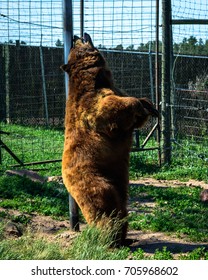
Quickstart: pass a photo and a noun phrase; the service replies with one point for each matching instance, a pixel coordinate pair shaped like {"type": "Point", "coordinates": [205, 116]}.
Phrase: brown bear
{"type": "Point", "coordinates": [99, 124]}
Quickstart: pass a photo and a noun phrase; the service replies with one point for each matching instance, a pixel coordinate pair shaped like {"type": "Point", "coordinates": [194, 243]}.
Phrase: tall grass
{"type": "Point", "coordinates": [95, 244]}
{"type": "Point", "coordinates": [90, 244]}
{"type": "Point", "coordinates": [29, 247]}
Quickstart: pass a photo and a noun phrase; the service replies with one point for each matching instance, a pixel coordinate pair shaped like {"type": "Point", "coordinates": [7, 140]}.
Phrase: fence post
{"type": "Point", "coordinates": [81, 18]}
{"type": "Point", "coordinates": [166, 80]}
{"type": "Point", "coordinates": [157, 79]}
{"type": "Point", "coordinates": [7, 82]}
{"type": "Point", "coordinates": [73, 214]}
{"type": "Point", "coordinates": [172, 91]}
{"type": "Point", "coordinates": [151, 73]}
{"type": "Point", "coordinates": [68, 41]}
{"type": "Point", "coordinates": [44, 85]}
{"type": "Point", "coordinates": [68, 34]}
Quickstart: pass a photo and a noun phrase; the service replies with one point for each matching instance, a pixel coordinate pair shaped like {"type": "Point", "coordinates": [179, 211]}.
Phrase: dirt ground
{"type": "Point", "coordinates": [148, 241]}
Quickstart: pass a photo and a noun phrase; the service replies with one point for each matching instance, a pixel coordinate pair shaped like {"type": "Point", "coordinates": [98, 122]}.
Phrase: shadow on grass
{"type": "Point", "coordinates": [151, 242]}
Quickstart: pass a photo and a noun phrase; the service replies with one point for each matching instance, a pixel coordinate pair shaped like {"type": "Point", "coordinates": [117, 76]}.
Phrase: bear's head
{"type": "Point", "coordinates": [86, 63]}
{"type": "Point", "coordinates": [83, 55]}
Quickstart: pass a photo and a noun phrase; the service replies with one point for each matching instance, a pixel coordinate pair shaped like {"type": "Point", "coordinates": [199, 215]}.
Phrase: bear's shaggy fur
{"type": "Point", "coordinates": [99, 123]}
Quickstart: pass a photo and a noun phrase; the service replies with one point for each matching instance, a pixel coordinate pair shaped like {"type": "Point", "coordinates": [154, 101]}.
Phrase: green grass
{"type": "Point", "coordinates": [90, 244]}
{"type": "Point", "coordinates": [177, 210]}
{"type": "Point", "coordinates": [94, 244]}
{"type": "Point", "coordinates": [31, 144]}
{"type": "Point", "coordinates": [189, 161]}
{"type": "Point", "coordinates": [164, 254]}
{"type": "Point", "coordinates": [22, 194]}
{"type": "Point", "coordinates": [28, 247]}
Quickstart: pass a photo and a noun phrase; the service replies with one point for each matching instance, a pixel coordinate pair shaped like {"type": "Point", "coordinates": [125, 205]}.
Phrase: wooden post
{"type": "Point", "coordinates": [68, 42]}
{"type": "Point", "coordinates": [166, 80]}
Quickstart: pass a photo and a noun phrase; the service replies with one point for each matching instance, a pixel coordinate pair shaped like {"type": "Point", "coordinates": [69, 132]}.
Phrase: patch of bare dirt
{"type": "Point", "coordinates": [149, 242]}
{"type": "Point", "coordinates": [53, 230]}
{"type": "Point", "coordinates": [170, 183]}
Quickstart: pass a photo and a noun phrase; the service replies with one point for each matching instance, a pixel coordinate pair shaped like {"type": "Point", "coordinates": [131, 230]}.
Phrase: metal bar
{"type": "Point", "coordinates": [2, 145]}
{"type": "Point", "coordinates": [7, 82]}
{"type": "Point", "coordinates": [81, 18]}
{"type": "Point", "coordinates": [38, 162]}
{"type": "Point", "coordinates": [145, 149]}
{"type": "Point", "coordinates": [166, 78]}
{"type": "Point", "coordinates": [73, 214]}
{"type": "Point", "coordinates": [137, 138]}
{"type": "Point", "coordinates": [44, 85]}
{"type": "Point", "coordinates": [149, 135]}
{"type": "Point", "coordinates": [189, 21]}
{"type": "Point", "coordinates": [172, 91]}
{"type": "Point", "coordinates": [151, 73]}
{"type": "Point", "coordinates": [68, 43]}
{"type": "Point", "coordinates": [157, 79]}
{"type": "Point", "coordinates": [68, 34]}
{"type": "Point", "coordinates": [157, 57]}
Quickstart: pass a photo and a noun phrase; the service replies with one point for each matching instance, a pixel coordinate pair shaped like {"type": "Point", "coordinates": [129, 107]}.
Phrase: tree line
{"type": "Point", "coordinates": [190, 46]}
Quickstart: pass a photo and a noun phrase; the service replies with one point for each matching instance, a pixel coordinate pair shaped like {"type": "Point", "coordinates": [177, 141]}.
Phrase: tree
{"type": "Point", "coordinates": [119, 47]}
{"type": "Point", "coordinates": [130, 48]}
{"type": "Point", "coordinates": [59, 43]}
{"type": "Point", "coordinates": [192, 41]}
{"type": "Point", "coordinates": [191, 46]}
{"type": "Point", "coordinates": [100, 46]}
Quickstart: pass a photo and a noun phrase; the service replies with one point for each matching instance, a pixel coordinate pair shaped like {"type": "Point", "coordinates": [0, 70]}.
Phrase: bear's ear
{"type": "Point", "coordinates": [65, 67]}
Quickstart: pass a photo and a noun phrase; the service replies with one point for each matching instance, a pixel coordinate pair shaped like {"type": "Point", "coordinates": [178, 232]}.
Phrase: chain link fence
{"type": "Point", "coordinates": [190, 79]}
{"type": "Point", "coordinates": [32, 90]}
{"type": "Point", "coordinates": [32, 85]}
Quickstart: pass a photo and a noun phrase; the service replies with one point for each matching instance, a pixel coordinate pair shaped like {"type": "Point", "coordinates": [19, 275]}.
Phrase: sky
{"type": "Point", "coordinates": [110, 22]}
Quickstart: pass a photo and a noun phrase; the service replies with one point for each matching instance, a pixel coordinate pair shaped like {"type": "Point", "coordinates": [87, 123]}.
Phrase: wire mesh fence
{"type": "Point", "coordinates": [190, 76]}
{"type": "Point", "coordinates": [32, 91]}
{"type": "Point", "coordinates": [37, 22]}
{"type": "Point", "coordinates": [32, 87]}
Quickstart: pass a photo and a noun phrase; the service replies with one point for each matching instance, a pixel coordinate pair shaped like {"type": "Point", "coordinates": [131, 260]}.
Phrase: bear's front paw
{"type": "Point", "coordinates": [149, 106]}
